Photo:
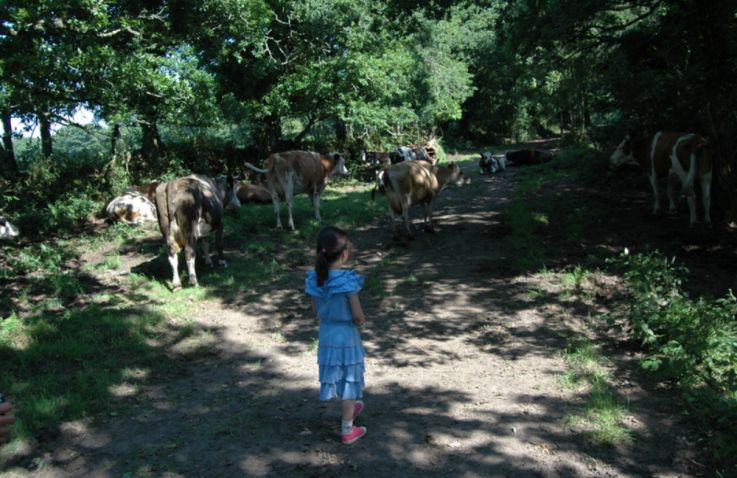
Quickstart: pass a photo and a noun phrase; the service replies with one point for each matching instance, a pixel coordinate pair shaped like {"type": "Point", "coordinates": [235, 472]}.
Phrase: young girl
{"type": "Point", "coordinates": [334, 293]}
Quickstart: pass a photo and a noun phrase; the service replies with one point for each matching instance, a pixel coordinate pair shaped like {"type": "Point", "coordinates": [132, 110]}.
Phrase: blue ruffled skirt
{"type": "Point", "coordinates": [341, 372]}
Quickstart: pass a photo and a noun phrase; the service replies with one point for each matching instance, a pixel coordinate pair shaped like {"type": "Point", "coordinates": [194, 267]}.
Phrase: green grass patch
{"type": "Point", "coordinates": [62, 366]}
{"type": "Point", "coordinates": [600, 422]}
{"type": "Point", "coordinates": [540, 209]}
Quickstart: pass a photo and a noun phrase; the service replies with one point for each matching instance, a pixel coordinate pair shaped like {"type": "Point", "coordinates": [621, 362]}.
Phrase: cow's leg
{"type": "Point", "coordinates": [206, 251]}
{"type": "Point", "coordinates": [176, 282]}
{"type": "Point", "coordinates": [219, 246]}
{"type": "Point", "coordinates": [316, 205]}
{"type": "Point", "coordinates": [691, 200]}
{"type": "Point", "coordinates": [190, 255]}
{"type": "Point", "coordinates": [706, 195]}
{"type": "Point", "coordinates": [672, 178]}
{"type": "Point", "coordinates": [654, 184]}
{"type": "Point", "coordinates": [289, 198]}
{"type": "Point", "coordinates": [406, 203]}
{"type": "Point", "coordinates": [428, 217]}
{"type": "Point", "coordinates": [275, 201]}
{"type": "Point", "coordinates": [393, 219]}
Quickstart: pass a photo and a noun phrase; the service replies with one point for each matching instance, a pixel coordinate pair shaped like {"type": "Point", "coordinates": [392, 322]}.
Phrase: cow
{"type": "Point", "coordinates": [147, 189]}
{"type": "Point", "coordinates": [523, 157]}
{"type": "Point", "coordinates": [7, 230]}
{"type": "Point", "coordinates": [491, 163]}
{"type": "Point", "coordinates": [376, 158]}
{"type": "Point", "coordinates": [411, 153]}
{"type": "Point", "coordinates": [417, 182]}
{"type": "Point", "coordinates": [190, 208]}
{"type": "Point", "coordinates": [294, 172]}
{"type": "Point", "coordinates": [131, 208]}
{"type": "Point", "coordinates": [252, 193]}
{"type": "Point", "coordinates": [674, 156]}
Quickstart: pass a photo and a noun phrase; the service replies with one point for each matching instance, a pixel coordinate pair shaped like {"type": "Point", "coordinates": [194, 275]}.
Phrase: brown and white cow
{"type": "Point", "coordinates": [189, 209]}
{"type": "Point", "coordinates": [417, 182]}
{"type": "Point", "coordinates": [7, 230]}
{"type": "Point", "coordinates": [252, 193]}
{"type": "Point", "coordinates": [131, 208]}
{"type": "Point", "coordinates": [681, 156]}
{"type": "Point", "coordinates": [295, 172]}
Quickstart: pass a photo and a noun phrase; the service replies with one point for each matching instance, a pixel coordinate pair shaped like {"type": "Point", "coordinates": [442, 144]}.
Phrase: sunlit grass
{"type": "Point", "coordinates": [601, 420]}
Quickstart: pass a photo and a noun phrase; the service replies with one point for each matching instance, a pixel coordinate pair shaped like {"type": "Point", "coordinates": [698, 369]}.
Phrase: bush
{"type": "Point", "coordinates": [692, 342]}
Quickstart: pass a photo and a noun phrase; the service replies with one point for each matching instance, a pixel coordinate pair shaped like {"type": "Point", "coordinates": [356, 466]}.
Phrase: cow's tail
{"type": "Point", "coordinates": [254, 168]}
{"type": "Point", "coordinates": [170, 210]}
{"type": "Point", "coordinates": [379, 185]}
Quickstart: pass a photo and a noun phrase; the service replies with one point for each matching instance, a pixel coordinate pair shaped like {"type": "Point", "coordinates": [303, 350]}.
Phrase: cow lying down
{"type": "Point", "coordinates": [491, 163]}
{"type": "Point", "coordinates": [190, 208]}
{"type": "Point", "coordinates": [417, 182]}
{"type": "Point", "coordinates": [7, 230]}
{"type": "Point", "coordinates": [252, 193]}
{"type": "Point", "coordinates": [131, 208]}
{"type": "Point", "coordinates": [524, 157]}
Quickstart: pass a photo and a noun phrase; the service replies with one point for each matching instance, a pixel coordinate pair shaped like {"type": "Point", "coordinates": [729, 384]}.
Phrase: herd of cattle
{"type": "Point", "coordinates": [191, 208]}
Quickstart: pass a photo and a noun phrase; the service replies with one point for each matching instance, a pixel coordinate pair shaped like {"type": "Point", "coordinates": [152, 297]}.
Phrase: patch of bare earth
{"type": "Point", "coordinates": [463, 376]}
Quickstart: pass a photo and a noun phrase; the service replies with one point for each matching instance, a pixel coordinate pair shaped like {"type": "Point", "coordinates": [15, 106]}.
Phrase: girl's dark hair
{"type": "Point", "coordinates": [331, 242]}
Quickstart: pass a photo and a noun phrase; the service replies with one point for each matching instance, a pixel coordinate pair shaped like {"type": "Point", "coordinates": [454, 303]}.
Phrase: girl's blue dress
{"type": "Point", "coordinates": [339, 352]}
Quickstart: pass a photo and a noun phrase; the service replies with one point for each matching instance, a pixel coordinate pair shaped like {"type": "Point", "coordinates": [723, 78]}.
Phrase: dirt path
{"type": "Point", "coordinates": [463, 378]}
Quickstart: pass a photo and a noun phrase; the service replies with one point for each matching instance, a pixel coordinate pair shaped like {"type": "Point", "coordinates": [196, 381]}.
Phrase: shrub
{"type": "Point", "coordinates": [691, 341]}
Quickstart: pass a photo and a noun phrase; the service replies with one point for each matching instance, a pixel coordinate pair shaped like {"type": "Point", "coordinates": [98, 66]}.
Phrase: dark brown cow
{"type": "Point", "coordinates": [417, 182]}
{"type": "Point", "coordinates": [295, 172]}
{"type": "Point", "coordinates": [669, 155]}
{"type": "Point", "coordinates": [190, 208]}
{"type": "Point", "coordinates": [522, 157]}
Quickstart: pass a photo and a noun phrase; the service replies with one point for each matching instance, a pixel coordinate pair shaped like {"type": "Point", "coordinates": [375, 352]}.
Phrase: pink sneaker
{"type": "Point", "coordinates": [357, 409]}
{"type": "Point", "coordinates": [353, 436]}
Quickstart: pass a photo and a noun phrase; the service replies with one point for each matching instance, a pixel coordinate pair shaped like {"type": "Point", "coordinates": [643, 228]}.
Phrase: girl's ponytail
{"type": "Point", "coordinates": [331, 242]}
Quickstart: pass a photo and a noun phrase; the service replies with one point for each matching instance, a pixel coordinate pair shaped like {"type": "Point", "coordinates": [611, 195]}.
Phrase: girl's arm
{"type": "Point", "coordinates": [356, 310]}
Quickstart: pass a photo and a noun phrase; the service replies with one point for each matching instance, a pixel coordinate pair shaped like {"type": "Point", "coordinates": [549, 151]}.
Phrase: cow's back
{"type": "Point", "coordinates": [304, 165]}
{"type": "Point", "coordinates": [413, 179]}
{"type": "Point", "coordinates": [183, 203]}
{"type": "Point", "coordinates": [657, 150]}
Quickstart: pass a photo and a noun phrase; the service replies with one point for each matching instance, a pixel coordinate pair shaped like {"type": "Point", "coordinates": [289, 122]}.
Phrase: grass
{"type": "Point", "coordinates": [68, 362]}
{"type": "Point", "coordinates": [539, 210]}
{"type": "Point", "coordinates": [600, 421]}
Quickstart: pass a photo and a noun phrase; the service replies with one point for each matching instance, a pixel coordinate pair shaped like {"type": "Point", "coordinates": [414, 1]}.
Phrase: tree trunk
{"type": "Point", "coordinates": [341, 132]}
{"type": "Point", "coordinates": [8, 164]}
{"type": "Point", "coordinates": [151, 148]}
{"type": "Point", "coordinates": [46, 142]}
{"type": "Point", "coordinates": [267, 134]}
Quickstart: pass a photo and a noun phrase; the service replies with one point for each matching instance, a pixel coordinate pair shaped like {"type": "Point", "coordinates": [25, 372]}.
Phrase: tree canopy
{"type": "Point", "coordinates": [323, 73]}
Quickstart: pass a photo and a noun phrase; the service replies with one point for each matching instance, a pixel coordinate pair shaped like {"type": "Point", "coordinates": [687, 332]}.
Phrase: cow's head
{"type": "Point", "coordinates": [228, 190]}
{"type": "Point", "coordinates": [7, 230]}
{"type": "Point", "coordinates": [339, 168]}
{"type": "Point", "coordinates": [623, 154]}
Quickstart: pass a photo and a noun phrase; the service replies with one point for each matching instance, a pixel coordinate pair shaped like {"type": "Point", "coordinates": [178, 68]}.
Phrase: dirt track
{"type": "Point", "coordinates": [463, 377]}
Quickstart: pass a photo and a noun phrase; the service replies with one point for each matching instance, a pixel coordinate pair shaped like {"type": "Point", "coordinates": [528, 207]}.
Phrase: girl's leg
{"type": "Point", "coordinates": [349, 433]}
{"type": "Point", "coordinates": [346, 423]}
{"type": "Point", "coordinates": [348, 406]}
